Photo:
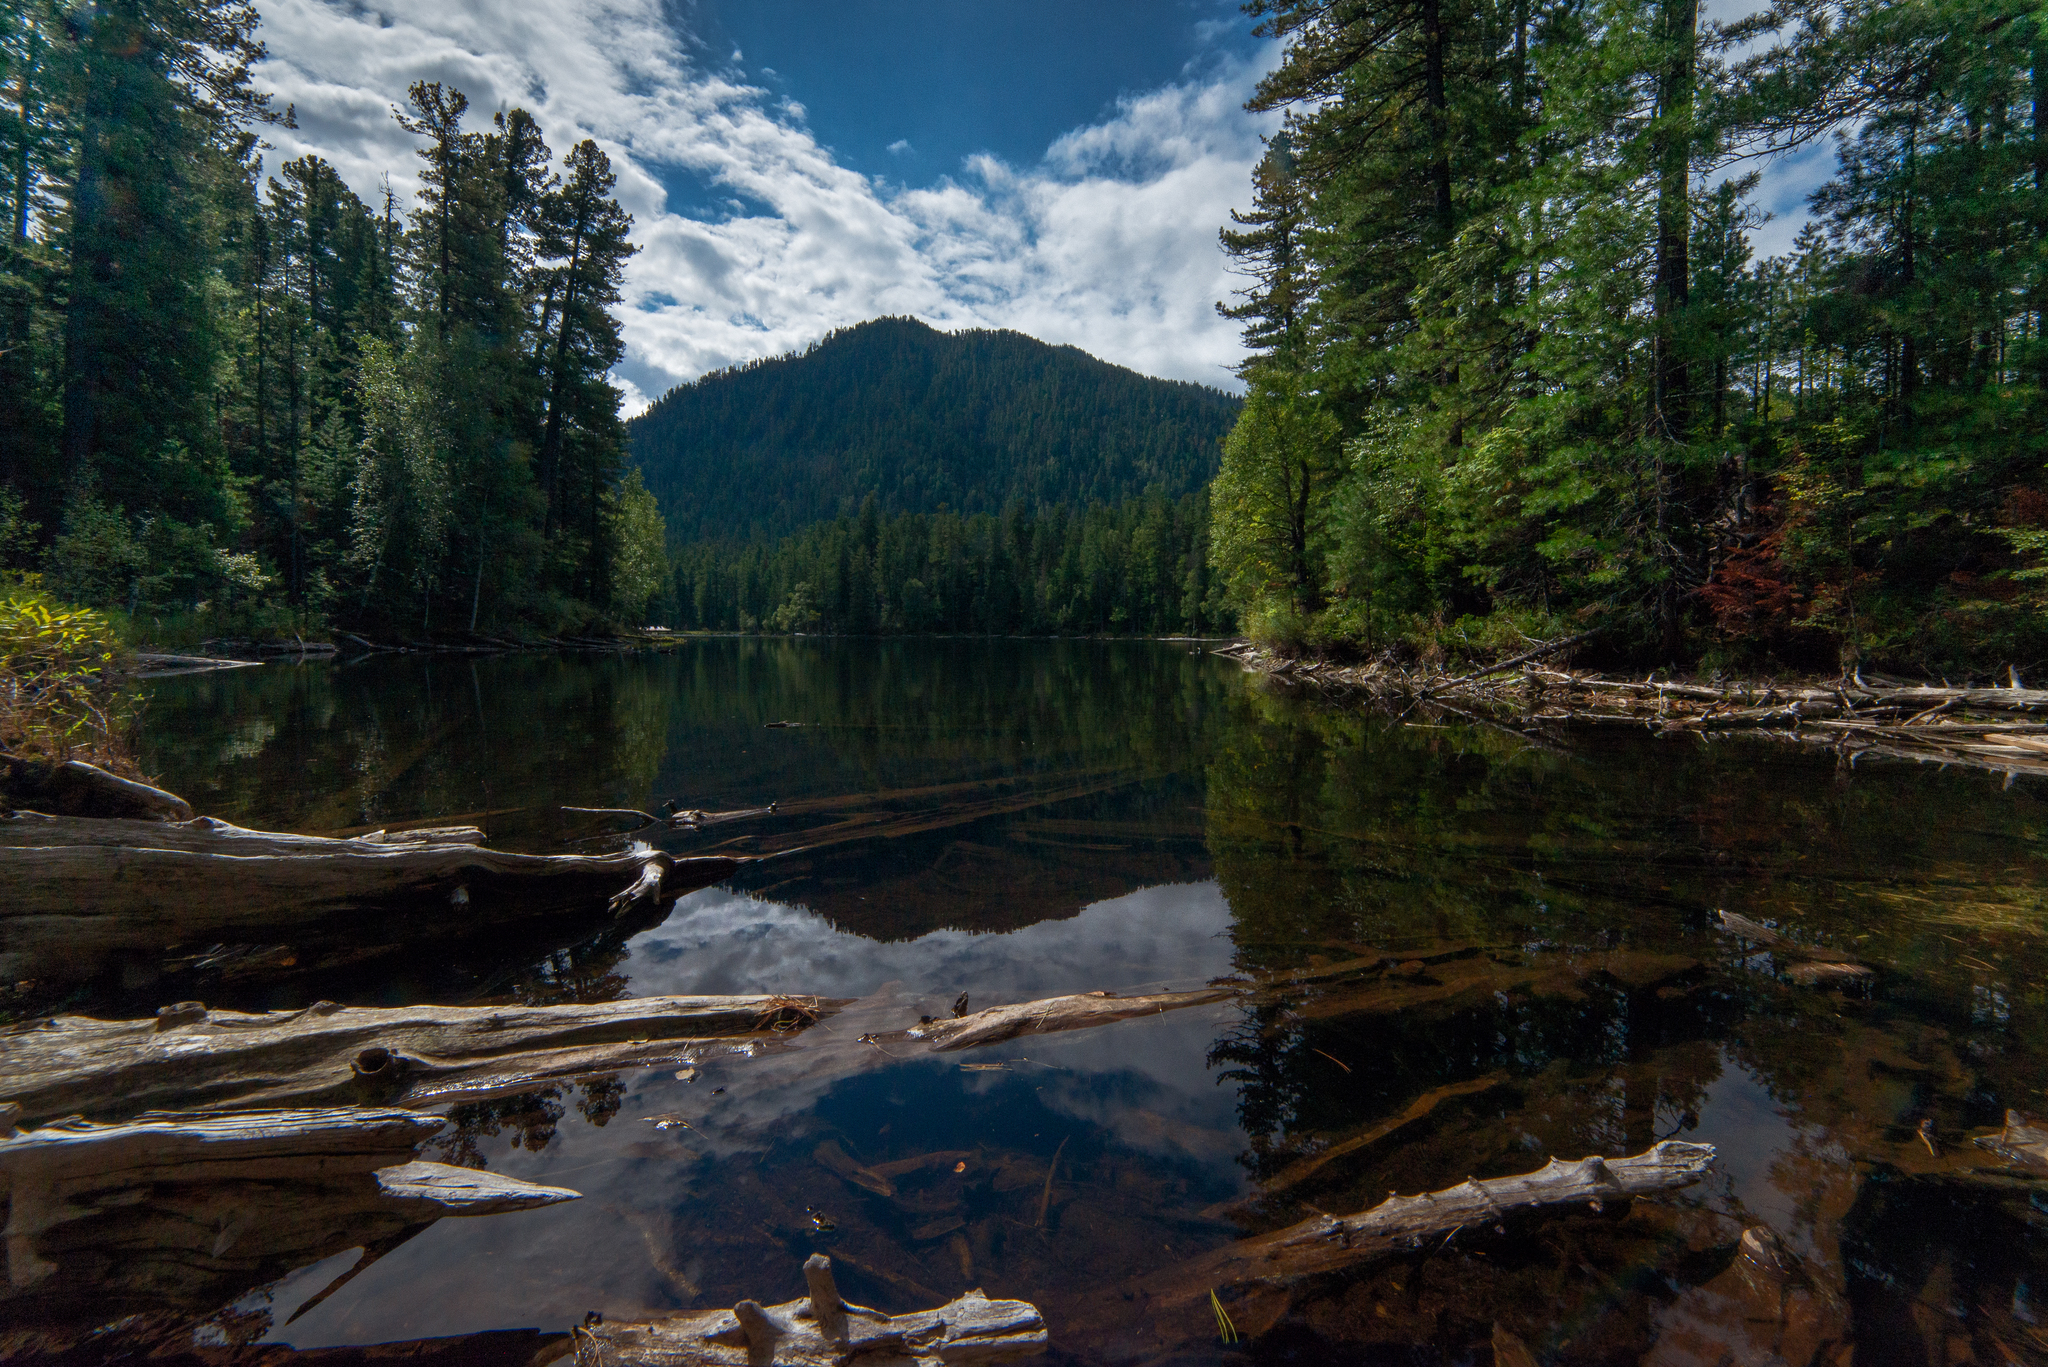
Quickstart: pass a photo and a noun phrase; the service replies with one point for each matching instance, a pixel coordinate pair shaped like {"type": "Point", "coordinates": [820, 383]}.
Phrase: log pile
{"type": "Point", "coordinates": [2004, 729]}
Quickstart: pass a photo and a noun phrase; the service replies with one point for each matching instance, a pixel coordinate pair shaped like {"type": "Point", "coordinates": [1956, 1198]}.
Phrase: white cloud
{"type": "Point", "coordinates": [1109, 243]}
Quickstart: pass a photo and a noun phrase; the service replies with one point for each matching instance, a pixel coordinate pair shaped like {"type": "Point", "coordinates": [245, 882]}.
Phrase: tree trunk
{"type": "Point", "coordinates": [551, 435]}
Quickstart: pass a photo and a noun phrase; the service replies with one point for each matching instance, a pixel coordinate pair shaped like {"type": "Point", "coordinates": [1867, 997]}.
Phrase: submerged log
{"type": "Point", "coordinates": [404, 1056]}
{"type": "Point", "coordinates": [1079, 1011]}
{"type": "Point", "coordinates": [2023, 1143]}
{"type": "Point", "coordinates": [1401, 1224]}
{"type": "Point", "coordinates": [190, 1211]}
{"type": "Point", "coordinates": [80, 896]}
{"type": "Point", "coordinates": [818, 1329]}
{"type": "Point", "coordinates": [1807, 964]}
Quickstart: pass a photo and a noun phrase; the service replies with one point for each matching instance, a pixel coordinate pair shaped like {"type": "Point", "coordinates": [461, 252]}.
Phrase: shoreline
{"type": "Point", "coordinates": [1999, 729]}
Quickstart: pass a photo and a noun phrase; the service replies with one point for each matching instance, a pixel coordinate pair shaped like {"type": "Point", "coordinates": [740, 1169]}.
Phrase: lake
{"type": "Point", "coordinates": [1478, 950]}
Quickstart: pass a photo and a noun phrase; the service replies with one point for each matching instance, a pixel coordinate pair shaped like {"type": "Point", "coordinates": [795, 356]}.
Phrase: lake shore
{"type": "Point", "coordinates": [1996, 728]}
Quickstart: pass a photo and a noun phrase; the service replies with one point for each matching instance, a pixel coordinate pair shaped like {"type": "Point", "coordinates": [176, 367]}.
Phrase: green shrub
{"type": "Point", "coordinates": [60, 697]}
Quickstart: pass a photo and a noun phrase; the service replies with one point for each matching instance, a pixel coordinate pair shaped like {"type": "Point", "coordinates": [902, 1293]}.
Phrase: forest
{"type": "Point", "coordinates": [1137, 568]}
{"type": "Point", "coordinates": [973, 421]}
{"type": "Point", "coordinates": [251, 404]}
{"type": "Point", "coordinates": [1517, 372]}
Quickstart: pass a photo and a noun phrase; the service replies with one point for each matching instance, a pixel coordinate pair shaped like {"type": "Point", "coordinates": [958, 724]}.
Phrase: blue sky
{"type": "Point", "coordinates": [1056, 166]}
{"type": "Point", "coordinates": [910, 89]}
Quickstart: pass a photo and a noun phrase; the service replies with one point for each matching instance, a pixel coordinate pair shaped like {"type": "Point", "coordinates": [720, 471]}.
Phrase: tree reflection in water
{"type": "Point", "coordinates": [1474, 950]}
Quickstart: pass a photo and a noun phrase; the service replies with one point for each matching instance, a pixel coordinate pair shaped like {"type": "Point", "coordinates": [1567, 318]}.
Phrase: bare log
{"type": "Point", "coordinates": [75, 788]}
{"type": "Point", "coordinates": [1808, 964]}
{"type": "Point", "coordinates": [1079, 1011]}
{"type": "Point", "coordinates": [1400, 1224]}
{"type": "Point", "coordinates": [78, 896]}
{"type": "Point", "coordinates": [818, 1329]}
{"type": "Point", "coordinates": [2020, 1141]}
{"type": "Point", "coordinates": [398, 1056]}
{"type": "Point", "coordinates": [189, 1211]}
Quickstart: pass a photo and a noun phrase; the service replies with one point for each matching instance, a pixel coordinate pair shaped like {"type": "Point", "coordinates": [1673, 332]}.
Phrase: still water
{"type": "Point", "coordinates": [1013, 820]}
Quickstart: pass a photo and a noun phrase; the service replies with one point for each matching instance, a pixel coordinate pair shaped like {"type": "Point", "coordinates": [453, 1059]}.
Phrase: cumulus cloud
{"type": "Point", "coordinates": [1109, 242]}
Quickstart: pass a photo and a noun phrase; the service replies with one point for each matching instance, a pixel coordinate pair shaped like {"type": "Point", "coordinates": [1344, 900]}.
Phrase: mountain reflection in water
{"type": "Point", "coordinates": [1500, 950]}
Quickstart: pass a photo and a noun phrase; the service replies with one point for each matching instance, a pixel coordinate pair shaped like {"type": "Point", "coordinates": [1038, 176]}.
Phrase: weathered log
{"type": "Point", "coordinates": [1080, 1011]}
{"type": "Point", "coordinates": [396, 1056]}
{"type": "Point", "coordinates": [78, 896]}
{"type": "Point", "coordinates": [2020, 1141]}
{"type": "Point", "coordinates": [1807, 964]}
{"type": "Point", "coordinates": [818, 1329]}
{"type": "Point", "coordinates": [75, 788]}
{"type": "Point", "coordinates": [189, 1211]}
{"type": "Point", "coordinates": [1400, 1224]}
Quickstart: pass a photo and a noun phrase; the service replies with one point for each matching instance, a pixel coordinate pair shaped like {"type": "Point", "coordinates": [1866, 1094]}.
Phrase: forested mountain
{"type": "Point", "coordinates": [1516, 372]}
{"type": "Point", "coordinates": [1140, 567]}
{"type": "Point", "coordinates": [272, 404]}
{"type": "Point", "coordinates": [973, 422]}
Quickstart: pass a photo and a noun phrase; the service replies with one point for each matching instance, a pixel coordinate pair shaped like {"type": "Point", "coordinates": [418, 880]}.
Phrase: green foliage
{"type": "Point", "coordinates": [1139, 568]}
{"type": "Point", "coordinates": [58, 698]}
{"type": "Point", "coordinates": [267, 404]}
{"type": "Point", "coordinates": [640, 568]}
{"type": "Point", "coordinates": [971, 422]}
{"type": "Point", "coordinates": [1519, 281]}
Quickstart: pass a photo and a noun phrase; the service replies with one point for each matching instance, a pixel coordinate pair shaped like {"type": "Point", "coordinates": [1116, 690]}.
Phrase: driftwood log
{"type": "Point", "coordinates": [413, 1056]}
{"type": "Point", "coordinates": [1402, 1224]}
{"type": "Point", "coordinates": [1077, 1011]}
{"type": "Point", "coordinates": [191, 1211]}
{"type": "Point", "coordinates": [818, 1329]}
{"type": "Point", "coordinates": [75, 788]}
{"type": "Point", "coordinates": [79, 896]}
{"type": "Point", "coordinates": [1808, 964]}
{"type": "Point", "coordinates": [2020, 1142]}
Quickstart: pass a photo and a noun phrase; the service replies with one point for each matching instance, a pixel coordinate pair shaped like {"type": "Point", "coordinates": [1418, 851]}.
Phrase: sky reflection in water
{"type": "Point", "coordinates": [1015, 820]}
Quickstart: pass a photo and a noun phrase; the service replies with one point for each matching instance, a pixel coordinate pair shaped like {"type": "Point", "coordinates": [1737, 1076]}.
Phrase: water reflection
{"type": "Point", "coordinates": [1479, 949]}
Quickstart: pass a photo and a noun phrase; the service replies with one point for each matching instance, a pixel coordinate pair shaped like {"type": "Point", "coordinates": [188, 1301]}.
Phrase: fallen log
{"type": "Point", "coordinates": [2020, 1142]}
{"type": "Point", "coordinates": [1403, 1224]}
{"type": "Point", "coordinates": [1080, 1011]}
{"type": "Point", "coordinates": [818, 1329]}
{"type": "Point", "coordinates": [75, 788]}
{"type": "Point", "coordinates": [190, 1211]}
{"type": "Point", "coordinates": [416, 1056]}
{"type": "Point", "coordinates": [1807, 964]}
{"type": "Point", "coordinates": [79, 896]}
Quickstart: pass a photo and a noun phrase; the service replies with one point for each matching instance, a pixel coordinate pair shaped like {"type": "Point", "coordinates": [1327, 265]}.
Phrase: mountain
{"type": "Point", "coordinates": [969, 421]}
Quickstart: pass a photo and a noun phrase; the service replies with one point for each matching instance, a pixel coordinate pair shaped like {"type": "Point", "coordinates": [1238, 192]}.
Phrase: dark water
{"type": "Point", "coordinates": [1015, 819]}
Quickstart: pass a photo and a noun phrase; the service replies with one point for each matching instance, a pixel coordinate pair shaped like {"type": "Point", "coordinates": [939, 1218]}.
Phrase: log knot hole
{"type": "Point", "coordinates": [179, 1013]}
{"type": "Point", "coordinates": [377, 1062]}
